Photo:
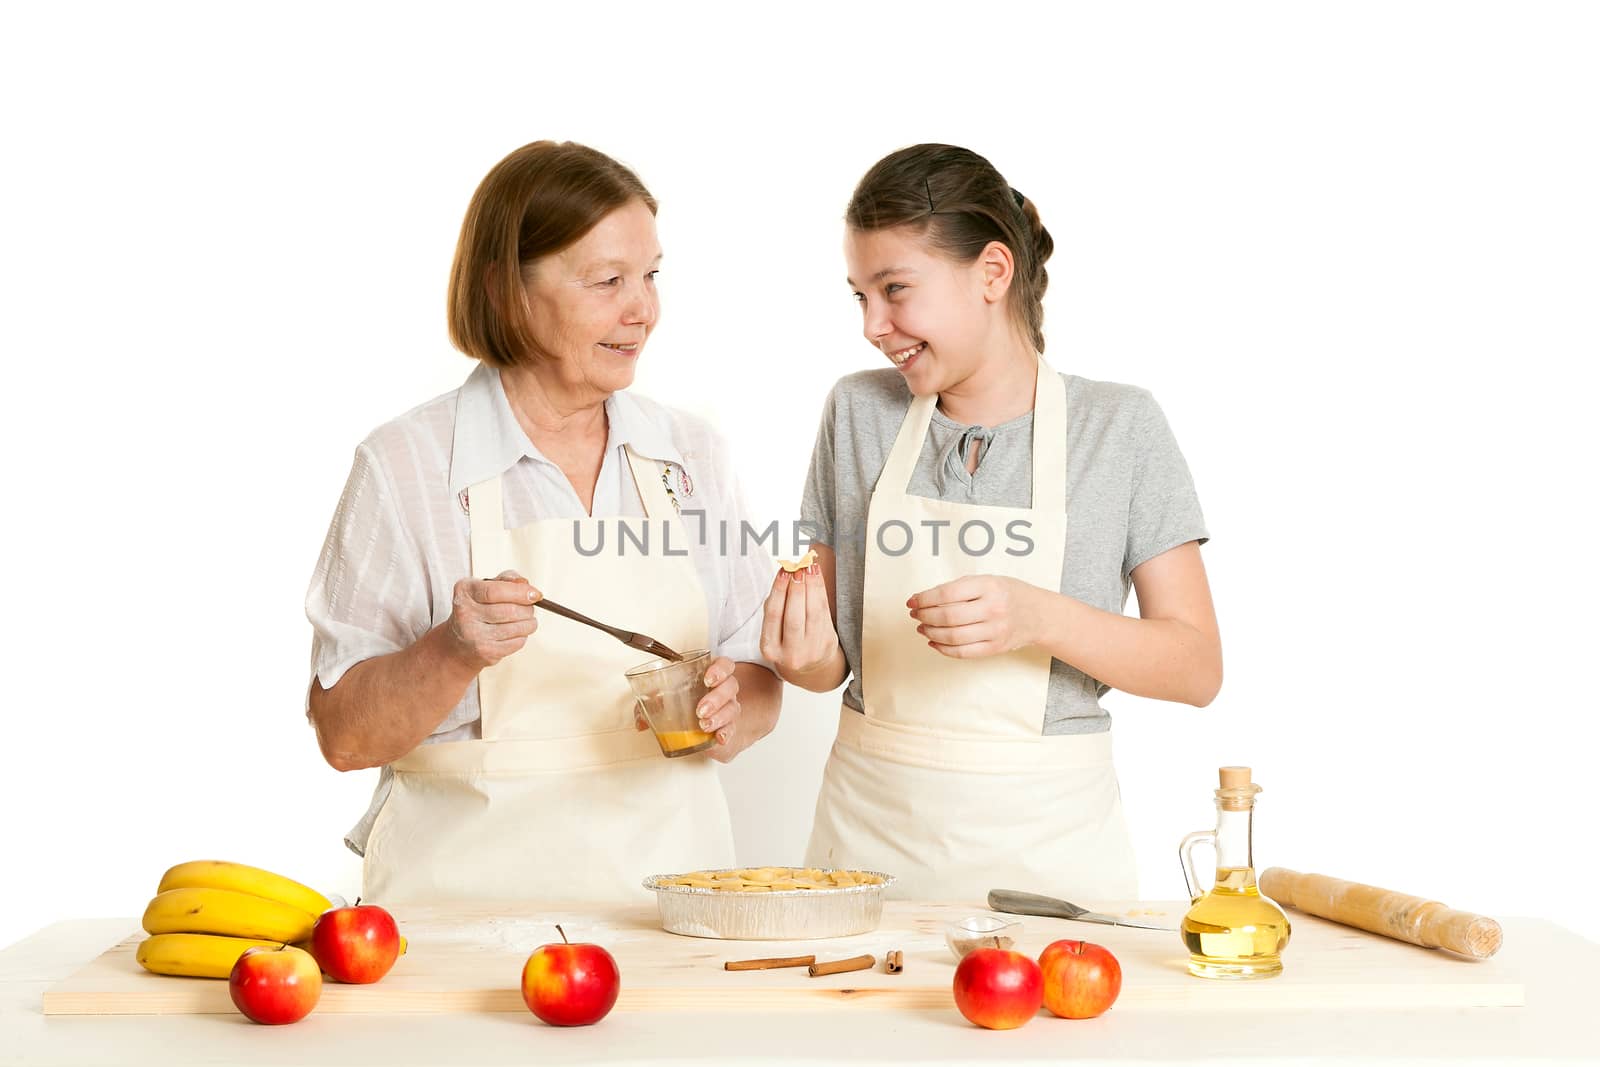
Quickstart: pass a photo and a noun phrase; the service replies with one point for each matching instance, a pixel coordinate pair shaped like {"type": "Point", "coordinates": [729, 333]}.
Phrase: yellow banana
{"type": "Point", "coordinates": [223, 911]}
{"type": "Point", "coordinates": [220, 874]}
{"type": "Point", "coordinates": [195, 955]}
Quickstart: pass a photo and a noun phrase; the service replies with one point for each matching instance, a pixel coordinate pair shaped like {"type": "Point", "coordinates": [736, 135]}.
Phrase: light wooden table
{"type": "Point", "coordinates": [1558, 971]}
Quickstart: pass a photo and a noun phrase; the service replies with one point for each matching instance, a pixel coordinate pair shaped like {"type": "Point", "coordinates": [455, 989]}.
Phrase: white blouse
{"type": "Point", "coordinates": [399, 539]}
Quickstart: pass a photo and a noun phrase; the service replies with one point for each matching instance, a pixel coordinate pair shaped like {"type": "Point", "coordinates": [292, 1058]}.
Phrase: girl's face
{"type": "Point", "coordinates": [931, 317]}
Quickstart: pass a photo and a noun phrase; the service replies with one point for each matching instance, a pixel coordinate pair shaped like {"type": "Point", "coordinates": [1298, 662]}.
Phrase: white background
{"type": "Point", "coordinates": [1351, 249]}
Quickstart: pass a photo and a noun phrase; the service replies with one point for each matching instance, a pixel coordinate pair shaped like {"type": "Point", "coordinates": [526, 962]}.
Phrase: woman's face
{"type": "Point", "coordinates": [931, 317]}
{"type": "Point", "coordinates": [594, 304]}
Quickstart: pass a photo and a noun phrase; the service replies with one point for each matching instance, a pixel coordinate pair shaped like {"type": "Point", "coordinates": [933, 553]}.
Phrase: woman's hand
{"type": "Point", "coordinates": [718, 711]}
{"type": "Point", "coordinates": [797, 634]}
{"type": "Point", "coordinates": [490, 619]}
{"type": "Point", "coordinates": [982, 615]}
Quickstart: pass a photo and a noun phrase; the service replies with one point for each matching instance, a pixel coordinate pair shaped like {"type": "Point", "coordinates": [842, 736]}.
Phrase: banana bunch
{"type": "Point", "coordinates": [219, 874]}
{"type": "Point", "coordinates": [205, 915]}
{"type": "Point", "coordinates": [195, 955]}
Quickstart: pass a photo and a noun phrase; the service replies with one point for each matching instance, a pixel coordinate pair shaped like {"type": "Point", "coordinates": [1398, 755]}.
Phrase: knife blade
{"type": "Point", "coordinates": [1016, 903]}
{"type": "Point", "coordinates": [1113, 920]}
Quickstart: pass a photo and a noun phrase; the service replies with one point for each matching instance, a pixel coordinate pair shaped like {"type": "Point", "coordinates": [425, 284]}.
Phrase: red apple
{"type": "Point", "coordinates": [356, 944]}
{"type": "Point", "coordinates": [998, 988]}
{"type": "Point", "coordinates": [1081, 979]}
{"type": "Point", "coordinates": [275, 985]}
{"type": "Point", "coordinates": [570, 984]}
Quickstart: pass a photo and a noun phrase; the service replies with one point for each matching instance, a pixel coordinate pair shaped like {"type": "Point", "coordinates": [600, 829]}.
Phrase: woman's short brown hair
{"type": "Point", "coordinates": [537, 201]}
{"type": "Point", "coordinates": [955, 200]}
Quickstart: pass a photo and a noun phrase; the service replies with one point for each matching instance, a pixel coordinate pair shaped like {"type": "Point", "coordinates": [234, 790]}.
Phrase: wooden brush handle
{"type": "Point", "coordinates": [1383, 911]}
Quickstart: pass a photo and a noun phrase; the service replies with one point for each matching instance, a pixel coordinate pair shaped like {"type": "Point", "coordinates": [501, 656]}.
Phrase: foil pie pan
{"type": "Point", "coordinates": [776, 915]}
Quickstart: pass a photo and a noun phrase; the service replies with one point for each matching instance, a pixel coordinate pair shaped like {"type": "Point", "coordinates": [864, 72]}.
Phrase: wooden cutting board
{"type": "Point", "coordinates": [469, 959]}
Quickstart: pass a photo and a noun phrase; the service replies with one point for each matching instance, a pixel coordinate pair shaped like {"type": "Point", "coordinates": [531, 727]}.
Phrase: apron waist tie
{"type": "Point", "coordinates": [531, 755]}
{"type": "Point", "coordinates": [971, 753]}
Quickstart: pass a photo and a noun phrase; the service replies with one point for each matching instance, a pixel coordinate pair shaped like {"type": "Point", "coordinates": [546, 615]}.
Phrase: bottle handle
{"type": "Point", "coordinates": [1186, 855]}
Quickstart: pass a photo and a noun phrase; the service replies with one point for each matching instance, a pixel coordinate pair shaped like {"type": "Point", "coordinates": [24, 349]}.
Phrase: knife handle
{"type": "Point", "coordinates": [1015, 903]}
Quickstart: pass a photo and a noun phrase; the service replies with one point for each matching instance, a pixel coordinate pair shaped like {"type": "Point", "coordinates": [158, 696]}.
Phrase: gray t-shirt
{"type": "Point", "coordinates": [1129, 498]}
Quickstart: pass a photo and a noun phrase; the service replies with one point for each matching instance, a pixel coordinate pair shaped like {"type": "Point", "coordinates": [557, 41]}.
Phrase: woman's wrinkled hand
{"type": "Point", "coordinates": [718, 711]}
{"type": "Point", "coordinates": [490, 619]}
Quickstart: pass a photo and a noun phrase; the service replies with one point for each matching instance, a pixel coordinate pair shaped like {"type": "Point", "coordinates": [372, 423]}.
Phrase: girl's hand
{"type": "Point", "coordinates": [797, 634]}
{"type": "Point", "coordinates": [977, 616]}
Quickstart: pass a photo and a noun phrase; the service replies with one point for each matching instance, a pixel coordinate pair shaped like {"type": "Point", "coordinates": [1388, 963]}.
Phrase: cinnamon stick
{"type": "Point", "coordinates": [854, 963]}
{"type": "Point", "coordinates": [895, 962]}
{"type": "Point", "coordinates": [769, 963]}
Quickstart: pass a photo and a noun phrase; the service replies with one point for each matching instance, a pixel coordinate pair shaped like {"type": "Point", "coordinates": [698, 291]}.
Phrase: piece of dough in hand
{"type": "Point", "coordinates": [800, 564]}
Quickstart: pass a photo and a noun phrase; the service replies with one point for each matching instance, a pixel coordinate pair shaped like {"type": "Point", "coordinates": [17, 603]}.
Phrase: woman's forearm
{"type": "Point", "coordinates": [1165, 659]}
{"type": "Point", "coordinates": [760, 699]}
{"type": "Point", "coordinates": [386, 706]}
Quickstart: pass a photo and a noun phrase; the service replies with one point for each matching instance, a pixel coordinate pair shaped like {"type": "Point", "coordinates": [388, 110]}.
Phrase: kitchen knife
{"type": "Point", "coordinates": [1015, 903]}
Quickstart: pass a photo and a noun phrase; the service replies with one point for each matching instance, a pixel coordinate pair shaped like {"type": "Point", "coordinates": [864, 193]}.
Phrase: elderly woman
{"type": "Point", "coordinates": [513, 760]}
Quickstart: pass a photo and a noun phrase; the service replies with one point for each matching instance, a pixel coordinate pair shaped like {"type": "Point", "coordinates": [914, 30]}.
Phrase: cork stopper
{"type": "Point", "coordinates": [1237, 792]}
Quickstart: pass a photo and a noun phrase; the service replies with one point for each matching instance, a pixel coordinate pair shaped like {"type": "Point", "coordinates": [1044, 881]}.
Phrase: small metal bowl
{"type": "Point", "coordinates": [775, 915]}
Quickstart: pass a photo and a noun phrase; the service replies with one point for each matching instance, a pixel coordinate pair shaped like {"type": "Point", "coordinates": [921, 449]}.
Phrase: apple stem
{"type": "Point", "coordinates": [563, 933]}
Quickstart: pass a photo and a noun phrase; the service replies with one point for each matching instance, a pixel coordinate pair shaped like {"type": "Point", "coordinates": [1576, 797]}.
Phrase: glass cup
{"type": "Point", "coordinates": [980, 931]}
{"type": "Point", "coordinates": [668, 693]}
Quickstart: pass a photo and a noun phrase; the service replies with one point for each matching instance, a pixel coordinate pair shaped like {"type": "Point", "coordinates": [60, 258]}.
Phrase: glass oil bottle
{"type": "Point", "coordinates": [1231, 931]}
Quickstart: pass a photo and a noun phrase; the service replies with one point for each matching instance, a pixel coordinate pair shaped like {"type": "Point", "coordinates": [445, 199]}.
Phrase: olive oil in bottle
{"type": "Point", "coordinates": [1231, 931]}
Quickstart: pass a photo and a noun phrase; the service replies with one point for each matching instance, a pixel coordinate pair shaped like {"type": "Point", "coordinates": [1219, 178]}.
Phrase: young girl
{"type": "Point", "coordinates": [979, 518]}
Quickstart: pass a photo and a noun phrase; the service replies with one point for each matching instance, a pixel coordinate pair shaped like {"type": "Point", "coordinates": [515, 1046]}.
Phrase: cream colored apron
{"type": "Point", "coordinates": [562, 799]}
{"type": "Point", "coordinates": [946, 781]}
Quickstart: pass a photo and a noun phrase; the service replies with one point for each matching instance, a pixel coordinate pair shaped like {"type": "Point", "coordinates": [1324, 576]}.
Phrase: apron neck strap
{"type": "Point", "coordinates": [486, 519]}
{"type": "Point", "coordinates": [896, 476]}
{"type": "Point", "coordinates": [647, 478]}
{"type": "Point", "coordinates": [1049, 441]}
{"type": "Point", "coordinates": [1049, 437]}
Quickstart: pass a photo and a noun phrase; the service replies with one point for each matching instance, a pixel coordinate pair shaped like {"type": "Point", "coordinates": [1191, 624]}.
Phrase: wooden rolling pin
{"type": "Point", "coordinates": [1384, 911]}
